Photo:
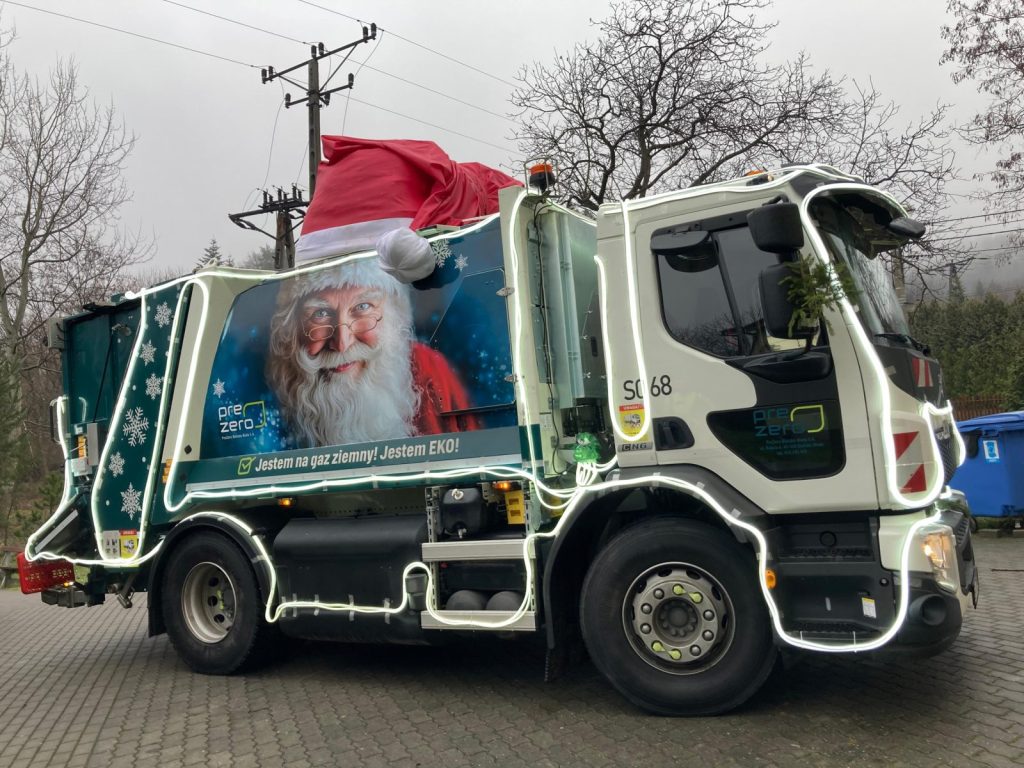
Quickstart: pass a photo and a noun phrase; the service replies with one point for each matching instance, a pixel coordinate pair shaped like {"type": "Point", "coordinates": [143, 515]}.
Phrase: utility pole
{"type": "Point", "coordinates": [317, 95]}
{"type": "Point", "coordinates": [899, 278]}
{"type": "Point", "coordinates": [287, 208]}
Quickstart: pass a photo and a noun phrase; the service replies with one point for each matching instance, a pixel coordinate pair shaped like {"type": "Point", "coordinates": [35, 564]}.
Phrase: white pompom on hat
{"type": "Point", "coordinates": [405, 256]}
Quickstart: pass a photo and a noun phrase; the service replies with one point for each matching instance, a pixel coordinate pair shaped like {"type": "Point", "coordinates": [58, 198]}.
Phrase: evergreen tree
{"type": "Point", "coordinates": [212, 256]}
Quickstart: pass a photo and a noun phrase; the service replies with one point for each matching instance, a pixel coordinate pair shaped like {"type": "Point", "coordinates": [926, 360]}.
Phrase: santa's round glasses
{"type": "Point", "coordinates": [358, 326]}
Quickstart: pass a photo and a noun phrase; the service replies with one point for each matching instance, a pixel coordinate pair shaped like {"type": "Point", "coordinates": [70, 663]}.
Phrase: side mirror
{"type": "Point", "coordinates": [687, 251]}
{"type": "Point", "coordinates": [665, 242]}
{"type": "Point", "coordinates": [907, 227]}
{"type": "Point", "coordinates": [776, 228]}
{"type": "Point", "coordinates": [778, 309]}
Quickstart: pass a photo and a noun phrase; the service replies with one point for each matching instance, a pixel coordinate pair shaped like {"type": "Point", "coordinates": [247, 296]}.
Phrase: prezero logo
{"type": "Point", "coordinates": [238, 419]}
{"type": "Point", "coordinates": [782, 421]}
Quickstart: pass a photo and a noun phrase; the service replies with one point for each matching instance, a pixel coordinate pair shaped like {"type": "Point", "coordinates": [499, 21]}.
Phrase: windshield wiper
{"type": "Point", "coordinates": [906, 338]}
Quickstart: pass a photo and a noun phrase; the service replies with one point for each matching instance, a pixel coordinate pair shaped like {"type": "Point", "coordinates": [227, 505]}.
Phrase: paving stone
{"type": "Point", "coordinates": [88, 688]}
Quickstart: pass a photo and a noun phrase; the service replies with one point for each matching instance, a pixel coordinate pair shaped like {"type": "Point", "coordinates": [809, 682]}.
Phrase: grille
{"type": "Point", "coordinates": [961, 531]}
{"type": "Point", "coordinates": [835, 631]}
{"type": "Point", "coordinates": [947, 450]}
{"type": "Point", "coordinates": [822, 553]}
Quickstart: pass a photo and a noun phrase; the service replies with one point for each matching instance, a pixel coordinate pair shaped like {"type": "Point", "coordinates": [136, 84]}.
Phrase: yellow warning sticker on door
{"type": "Point", "coordinates": [129, 543]}
{"type": "Point", "coordinates": [631, 418]}
{"type": "Point", "coordinates": [868, 606]}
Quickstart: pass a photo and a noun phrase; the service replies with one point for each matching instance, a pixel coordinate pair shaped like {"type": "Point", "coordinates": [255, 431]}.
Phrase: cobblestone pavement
{"type": "Point", "coordinates": [88, 688]}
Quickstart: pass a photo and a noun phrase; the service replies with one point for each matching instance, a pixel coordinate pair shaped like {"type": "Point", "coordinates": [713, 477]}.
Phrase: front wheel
{"type": "Point", "coordinates": [672, 616]}
{"type": "Point", "coordinates": [213, 609]}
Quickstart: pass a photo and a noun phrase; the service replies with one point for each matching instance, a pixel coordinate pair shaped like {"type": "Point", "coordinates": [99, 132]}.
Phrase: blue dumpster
{"type": "Point", "coordinates": [992, 477]}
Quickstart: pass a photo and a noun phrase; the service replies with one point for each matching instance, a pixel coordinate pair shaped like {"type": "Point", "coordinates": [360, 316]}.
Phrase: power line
{"type": "Point", "coordinates": [977, 216]}
{"type": "Point", "coordinates": [413, 42]}
{"type": "Point", "coordinates": [983, 234]}
{"type": "Point", "coordinates": [439, 93]}
{"type": "Point", "coordinates": [273, 135]}
{"type": "Point", "coordinates": [362, 64]}
{"type": "Point", "coordinates": [432, 125]}
{"type": "Point", "coordinates": [133, 34]}
{"type": "Point", "coordinates": [969, 227]}
{"type": "Point", "coordinates": [235, 21]}
{"type": "Point", "coordinates": [255, 66]}
{"type": "Point", "coordinates": [1000, 248]}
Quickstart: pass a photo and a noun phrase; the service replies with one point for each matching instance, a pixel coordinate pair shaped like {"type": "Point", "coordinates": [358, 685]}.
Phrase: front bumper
{"type": "Point", "coordinates": [851, 597]}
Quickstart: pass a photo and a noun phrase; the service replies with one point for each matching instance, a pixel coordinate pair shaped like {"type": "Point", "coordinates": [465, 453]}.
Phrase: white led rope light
{"type": "Point", "coordinates": [640, 204]}
{"type": "Point", "coordinates": [577, 496]}
{"type": "Point", "coordinates": [585, 475]}
{"type": "Point", "coordinates": [68, 495]}
{"type": "Point", "coordinates": [272, 614]}
{"type": "Point", "coordinates": [138, 558]}
{"type": "Point", "coordinates": [870, 353]}
{"type": "Point", "coordinates": [641, 358]}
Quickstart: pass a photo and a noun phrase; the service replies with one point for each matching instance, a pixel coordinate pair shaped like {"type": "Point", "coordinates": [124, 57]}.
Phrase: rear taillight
{"type": "Point", "coordinates": [35, 576]}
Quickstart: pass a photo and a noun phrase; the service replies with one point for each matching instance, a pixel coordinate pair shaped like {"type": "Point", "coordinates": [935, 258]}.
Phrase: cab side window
{"type": "Point", "coordinates": [709, 290]}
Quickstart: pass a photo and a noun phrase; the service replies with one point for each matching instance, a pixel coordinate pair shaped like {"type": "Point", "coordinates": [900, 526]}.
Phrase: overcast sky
{"type": "Point", "coordinates": [206, 127]}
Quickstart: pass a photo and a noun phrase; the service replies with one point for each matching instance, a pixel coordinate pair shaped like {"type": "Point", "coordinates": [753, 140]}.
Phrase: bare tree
{"type": "Point", "coordinates": [987, 46]}
{"type": "Point", "coordinates": [61, 188]}
{"type": "Point", "coordinates": [675, 93]}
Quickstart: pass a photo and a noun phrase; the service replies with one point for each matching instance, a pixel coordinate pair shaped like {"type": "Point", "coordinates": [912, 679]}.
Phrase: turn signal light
{"type": "Point", "coordinates": [769, 578]}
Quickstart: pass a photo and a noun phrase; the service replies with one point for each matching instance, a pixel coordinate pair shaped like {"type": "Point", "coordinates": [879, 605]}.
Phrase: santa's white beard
{"type": "Point", "coordinates": [325, 407]}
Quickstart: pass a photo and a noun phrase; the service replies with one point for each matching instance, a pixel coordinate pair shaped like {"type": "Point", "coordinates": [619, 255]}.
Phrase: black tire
{"type": "Point", "coordinates": [231, 635]}
{"type": "Point", "coordinates": [972, 523]}
{"type": "Point", "coordinates": [730, 665]}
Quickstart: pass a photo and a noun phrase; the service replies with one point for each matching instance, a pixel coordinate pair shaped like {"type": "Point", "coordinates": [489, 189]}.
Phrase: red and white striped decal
{"type": "Point", "coordinates": [909, 471]}
{"type": "Point", "coordinates": [922, 372]}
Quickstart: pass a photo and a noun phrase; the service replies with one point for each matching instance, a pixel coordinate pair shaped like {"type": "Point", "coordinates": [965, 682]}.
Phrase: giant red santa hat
{"type": "Point", "coordinates": [375, 194]}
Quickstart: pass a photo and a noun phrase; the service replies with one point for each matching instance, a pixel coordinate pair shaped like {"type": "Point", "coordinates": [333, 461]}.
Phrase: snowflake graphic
{"type": "Point", "coordinates": [442, 252]}
{"type": "Point", "coordinates": [136, 425]}
{"type": "Point", "coordinates": [154, 386]}
{"type": "Point", "coordinates": [131, 501]}
{"type": "Point", "coordinates": [218, 388]}
{"type": "Point", "coordinates": [116, 464]}
{"type": "Point", "coordinates": [461, 262]}
{"type": "Point", "coordinates": [163, 315]}
{"type": "Point", "coordinates": [148, 353]}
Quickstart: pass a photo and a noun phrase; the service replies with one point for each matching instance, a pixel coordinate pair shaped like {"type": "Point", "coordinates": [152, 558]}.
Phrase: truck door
{"type": "Point", "coordinates": [783, 424]}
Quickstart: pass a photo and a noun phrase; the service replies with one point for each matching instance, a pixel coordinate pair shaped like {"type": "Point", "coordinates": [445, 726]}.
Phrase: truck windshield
{"type": "Point", "coordinates": [853, 227]}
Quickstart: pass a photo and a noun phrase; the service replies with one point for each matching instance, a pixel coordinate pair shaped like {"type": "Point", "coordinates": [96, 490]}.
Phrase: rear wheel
{"type": "Point", "coordinates": [672, 616]}
{"type": "Point", "coordinates": [212, 607]}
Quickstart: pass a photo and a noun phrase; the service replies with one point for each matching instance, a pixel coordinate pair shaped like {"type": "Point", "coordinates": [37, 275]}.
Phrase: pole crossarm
{"type": "Point", "coordinates": [317, 93]}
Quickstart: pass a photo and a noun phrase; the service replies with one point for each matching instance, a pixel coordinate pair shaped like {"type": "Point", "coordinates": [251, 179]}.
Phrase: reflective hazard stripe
{"type": "Point", "coordinates": [922, 372]}
{"type": "Point", "coordinates": [910, 471]}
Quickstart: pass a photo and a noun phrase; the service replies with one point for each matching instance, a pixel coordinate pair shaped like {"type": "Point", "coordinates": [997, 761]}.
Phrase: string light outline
{"type": "Point", "coordinates": [575, 496]}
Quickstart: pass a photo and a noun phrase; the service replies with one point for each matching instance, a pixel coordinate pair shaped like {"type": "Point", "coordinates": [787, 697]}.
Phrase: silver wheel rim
{"type": "Point", "coordinates": [678, 618]}
{"type": "Point", "coordinates": [208, 602]}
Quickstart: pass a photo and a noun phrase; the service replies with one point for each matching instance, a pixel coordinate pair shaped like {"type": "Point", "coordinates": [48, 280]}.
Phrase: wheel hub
{"type": "Point", "coordinates": [208, 602]}
{"type": "Point", "coordinates": [678, 618]}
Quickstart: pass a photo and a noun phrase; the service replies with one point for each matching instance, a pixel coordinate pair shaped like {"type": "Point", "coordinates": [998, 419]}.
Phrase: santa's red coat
{"type": "Point", "coordinates": [441, 392]}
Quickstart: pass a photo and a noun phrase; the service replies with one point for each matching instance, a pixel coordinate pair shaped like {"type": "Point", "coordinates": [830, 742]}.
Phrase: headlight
{"type": "Point", "coordinates": [939, 547]}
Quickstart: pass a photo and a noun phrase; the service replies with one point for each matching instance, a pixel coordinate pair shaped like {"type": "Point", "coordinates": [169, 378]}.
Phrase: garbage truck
{"type": "Point", "coordinates": [684, 435]}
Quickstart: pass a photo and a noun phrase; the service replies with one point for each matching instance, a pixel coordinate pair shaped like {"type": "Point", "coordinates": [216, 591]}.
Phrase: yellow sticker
{"type": "Point", "coordinates": [129, 543]}
{"type": "Point", "coordinates": [515, 507]}
{"type": "Point", "coordinates": [631, 418]}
